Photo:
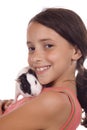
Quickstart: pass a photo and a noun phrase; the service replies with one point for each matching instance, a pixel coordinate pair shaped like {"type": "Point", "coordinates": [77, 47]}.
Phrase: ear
{"type": "Point", "coordinates": [76, 53]}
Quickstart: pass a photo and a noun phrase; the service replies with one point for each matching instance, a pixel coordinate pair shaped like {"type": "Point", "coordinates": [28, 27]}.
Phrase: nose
{"type": "Point", "coordinates": [36, 57]}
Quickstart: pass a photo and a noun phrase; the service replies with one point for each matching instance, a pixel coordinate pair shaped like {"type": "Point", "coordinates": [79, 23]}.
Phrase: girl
{"type": "Point", "coordinates": [57, 44]}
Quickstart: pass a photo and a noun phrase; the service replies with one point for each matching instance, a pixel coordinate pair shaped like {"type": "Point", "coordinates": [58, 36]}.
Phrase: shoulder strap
{"type": "Point", "coordinates": [73, 110]}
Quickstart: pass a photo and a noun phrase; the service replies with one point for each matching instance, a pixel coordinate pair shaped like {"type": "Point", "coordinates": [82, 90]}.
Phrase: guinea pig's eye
{"type": "Point", "coordinates": [35, 82]}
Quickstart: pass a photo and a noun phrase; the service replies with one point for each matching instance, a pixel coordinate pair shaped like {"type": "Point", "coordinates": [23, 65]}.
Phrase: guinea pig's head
{"type": "Point", "coordinates": [29, 83]}
{"type": "Point", "coordinates": [25, 85]}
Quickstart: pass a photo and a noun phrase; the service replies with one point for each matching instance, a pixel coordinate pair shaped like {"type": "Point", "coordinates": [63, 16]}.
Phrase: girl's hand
{"type": "Point", "coordinates": [4, 104]}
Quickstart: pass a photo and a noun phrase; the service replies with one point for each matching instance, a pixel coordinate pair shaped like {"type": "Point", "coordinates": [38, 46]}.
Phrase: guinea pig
{"type": "Point", "coordinates": [27, 84]}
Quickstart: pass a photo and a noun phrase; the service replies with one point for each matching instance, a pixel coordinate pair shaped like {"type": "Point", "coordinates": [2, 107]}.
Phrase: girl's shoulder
{"type": "Point", "coordinates": [60, 97]}
{"type": "Point", "coordinates": [67, 102]}
{"type": "Point", "coordinates": [56, 105]}
{"type": "Point", "coordinates": [54, 96]}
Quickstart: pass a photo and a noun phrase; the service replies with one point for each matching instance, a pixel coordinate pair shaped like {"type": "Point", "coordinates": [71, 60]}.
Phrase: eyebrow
{"type": "Point", "coordinates": [41, 40]}
{"type": "Point", "coordinates": [28, 42]}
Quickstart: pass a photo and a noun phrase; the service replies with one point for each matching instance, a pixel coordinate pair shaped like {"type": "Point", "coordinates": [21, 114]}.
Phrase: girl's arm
{"type": "Point", "coordinates": [42, 112]}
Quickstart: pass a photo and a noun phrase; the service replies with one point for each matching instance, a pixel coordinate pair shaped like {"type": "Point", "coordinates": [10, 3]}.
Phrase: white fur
{"type": "Point", "coordinates": [35, 88]}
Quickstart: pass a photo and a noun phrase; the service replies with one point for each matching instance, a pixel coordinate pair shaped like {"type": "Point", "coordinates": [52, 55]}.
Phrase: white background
{"type": "Point", "coordinates": [14, 17]}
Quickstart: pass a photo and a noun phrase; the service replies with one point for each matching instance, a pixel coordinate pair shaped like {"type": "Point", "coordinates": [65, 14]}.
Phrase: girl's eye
{"type": "Point", "coordinates": [48, 45]}
{"type": "Point", "coordinates": [31, 49]}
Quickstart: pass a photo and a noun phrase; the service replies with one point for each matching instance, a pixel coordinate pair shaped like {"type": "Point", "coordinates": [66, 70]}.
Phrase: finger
{"type": "Point", "coordinates": [7, 103]}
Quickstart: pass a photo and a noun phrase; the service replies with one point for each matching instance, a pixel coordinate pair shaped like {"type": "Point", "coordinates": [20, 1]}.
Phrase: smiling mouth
{"type": "Point", "coordinates": [41, 69]}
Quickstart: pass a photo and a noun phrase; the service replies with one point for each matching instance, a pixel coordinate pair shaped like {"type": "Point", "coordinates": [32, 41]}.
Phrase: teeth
{"type": "Point", "coordinates": [42, 68]}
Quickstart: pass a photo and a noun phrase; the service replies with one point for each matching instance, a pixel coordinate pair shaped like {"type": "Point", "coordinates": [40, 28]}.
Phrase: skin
{"type": "Point", "coordinates": [54, 60]}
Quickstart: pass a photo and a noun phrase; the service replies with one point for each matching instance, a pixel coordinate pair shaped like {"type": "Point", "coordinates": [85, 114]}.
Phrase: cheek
{"type": "Point", "coordinates": [60, 60]}
{"type": "Point", "coordinates": [29, 60]}
{"type": "Point", "coordinates": [53, 57]}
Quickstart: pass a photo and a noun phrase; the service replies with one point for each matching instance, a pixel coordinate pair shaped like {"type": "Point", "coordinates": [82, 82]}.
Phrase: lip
{"type": "Point", "coordinates": [42, 69]}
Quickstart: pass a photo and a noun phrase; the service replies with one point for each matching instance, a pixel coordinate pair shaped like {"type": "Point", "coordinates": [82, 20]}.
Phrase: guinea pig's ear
{"type": "Point", "coordinates": [30, 71]}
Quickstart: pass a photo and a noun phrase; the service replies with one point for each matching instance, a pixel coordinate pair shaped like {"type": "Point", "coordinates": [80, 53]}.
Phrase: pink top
{"type": "Point", "coordinates": [75, 116]}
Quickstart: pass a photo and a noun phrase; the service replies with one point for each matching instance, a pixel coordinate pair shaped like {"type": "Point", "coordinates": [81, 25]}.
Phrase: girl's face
{"type": "Point", "coordinates": [50, 55]}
